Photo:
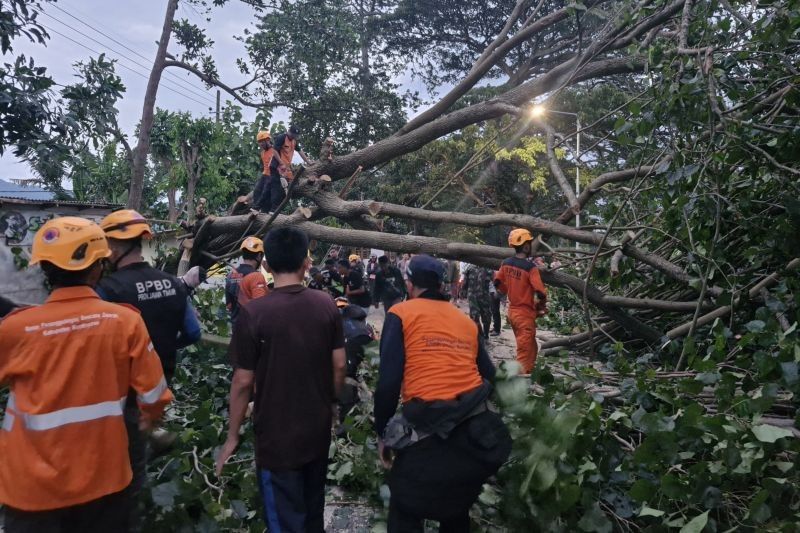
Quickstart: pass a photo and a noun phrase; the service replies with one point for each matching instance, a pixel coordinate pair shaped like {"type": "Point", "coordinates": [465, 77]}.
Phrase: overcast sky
{"type": "Point", "coordinates": [136, 24]}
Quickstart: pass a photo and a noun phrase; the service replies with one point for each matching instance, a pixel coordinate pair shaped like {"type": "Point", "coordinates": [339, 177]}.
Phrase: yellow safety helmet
{"type": "Point", "coordinates": [518, 237]}
{"type": "Point", "coordinates": [126, 224]}
{"type": "Point", "coordinates": [70, 243]}
{"type": "Point", "coordinates": [354, 257]}
{"type": "Point", "coordinates": [252, 244]}
{"type": "Point", "coordinates": [263, 135]}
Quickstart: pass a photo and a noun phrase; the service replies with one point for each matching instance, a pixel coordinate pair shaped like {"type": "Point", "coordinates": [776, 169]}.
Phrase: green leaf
{"type": "Point", "coordinates": [755, 326]}
{"type": "Point", "coordinates": [595, 520]}
{"type": "Point", "coordinates": [649, 511]}
{"type": "Point", "coordinates": [767, 433]}
{"type": "Point", "coordinates": [164, 495]}
{"type": "Point", "coordinates": [696, 524]}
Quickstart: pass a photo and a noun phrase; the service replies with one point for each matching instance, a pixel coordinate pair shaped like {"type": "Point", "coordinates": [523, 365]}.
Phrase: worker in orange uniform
{"type": "Point", "coordinates": [281, 165]}
{"type": "Point", "coordinates": [69, 364]}
{"type": "Point", "coordinates": [261, 192]}
{"type": "Point", "coordinates": [519, 278]}
{"type": "Point", "coordinates": [446, 440]}
{"type": "Point", "coordinates": [252, 254]}
{"type": "Point", "coordinates": [253, 286]}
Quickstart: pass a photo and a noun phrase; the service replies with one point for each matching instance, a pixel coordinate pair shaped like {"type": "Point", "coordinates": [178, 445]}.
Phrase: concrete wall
{"type": "Point", "coordinates": [18, 225]}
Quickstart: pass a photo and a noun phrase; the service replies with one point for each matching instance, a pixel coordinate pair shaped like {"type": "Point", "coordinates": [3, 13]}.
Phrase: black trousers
{"type": "Point", "coordinates": [294, 500]}
{"type": "Point", "coordinates": [439, 479]}
{"type": "Point", "coordinates": [108, 514]}
{"type": "Point", "coordinates": [408, 522]}
{"type": "Point", "coordinates": [261, 194]}
{"type": "Point", "coordinates": [277, 194]}
{"type": "Point", "coordinates": [137, 451]}
{"type": "Point", "coordinates": [496, 323]}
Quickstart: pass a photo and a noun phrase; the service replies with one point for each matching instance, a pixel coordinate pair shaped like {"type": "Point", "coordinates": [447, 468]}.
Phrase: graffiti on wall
{"type": "Point", "coordinates": [17, 228]}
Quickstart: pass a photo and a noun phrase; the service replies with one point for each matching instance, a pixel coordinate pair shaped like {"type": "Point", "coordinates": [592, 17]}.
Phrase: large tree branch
{"type": "Point", "coordinates": [720, 312]}
{"type": "Point", "coordinates": [491, 56]}
{"type": "Point", "coordinates": [221, 232]}
{"type": "Point", "coordinates": [230, 90]}
{"type": "Point", "coordinates": [558, 174]}
{"type": "Point", "coordinates": [335, 206]}
{"type": "Point", "coordinates": [395, 146]}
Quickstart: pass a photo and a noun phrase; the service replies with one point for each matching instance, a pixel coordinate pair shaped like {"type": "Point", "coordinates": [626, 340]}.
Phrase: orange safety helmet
{"type": "Point", "coordinates": [126, 224]}
{"type": "Point", "coordinates": [354, 257]}
{"type": "Point", "coordinates": [252, 244]}
{"type": "Point", "coordinates": [263, 135]}
{"type": "Point", "coordinates": [341, 302]}
{"type": "Point", "coordinates": [70, 243]}
{"type": "Point", "coordinates": [518, 237]}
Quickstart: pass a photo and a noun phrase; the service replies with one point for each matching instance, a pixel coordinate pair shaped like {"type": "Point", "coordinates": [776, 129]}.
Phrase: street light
{"type": "Point", "coordinates": [536, 112]}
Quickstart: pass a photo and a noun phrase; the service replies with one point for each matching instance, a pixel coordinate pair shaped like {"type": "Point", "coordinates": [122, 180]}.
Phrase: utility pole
{"type": "Point", "coordinates": [218, 109]}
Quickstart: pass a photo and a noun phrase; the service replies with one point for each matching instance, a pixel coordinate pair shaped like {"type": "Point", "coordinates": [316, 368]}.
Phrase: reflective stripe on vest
{"type": "Point", "coordinates": [152, 396]}
{"type": "Point", "coordinates": [8, 419]}
{"type": "Point", "coordinates": [62, 417]}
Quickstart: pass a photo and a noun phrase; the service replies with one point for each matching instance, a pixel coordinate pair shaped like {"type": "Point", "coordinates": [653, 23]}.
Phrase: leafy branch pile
{"type": "Point", "coordinates": [715, 447]}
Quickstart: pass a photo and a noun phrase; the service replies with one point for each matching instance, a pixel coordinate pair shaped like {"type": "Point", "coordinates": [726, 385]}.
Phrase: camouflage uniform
{"type": "Point", "coordinates": [480, 309]}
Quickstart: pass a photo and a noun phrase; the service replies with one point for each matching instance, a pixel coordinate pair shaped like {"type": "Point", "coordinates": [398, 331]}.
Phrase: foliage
{"type": "Point", "coordinates": [667, 451]}
{"type": "Point", "coordinates": [25, 89]}
{"type": "Point", "coordinates": [327, 62]}
{"type": "Point", "coordinates": [183, 493]}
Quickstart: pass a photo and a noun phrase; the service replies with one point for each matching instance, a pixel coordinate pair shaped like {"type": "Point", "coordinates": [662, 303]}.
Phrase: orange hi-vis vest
{"type": "Point", "coordinates": [441, 347]}
{"type": "Point", "coordinates": [521, 281]}
{"type": "Point", "coordinates": [266, 157]}
{"type": "Point", "coordinates": [70, 364]}
{"type": "Point", "coordinates": [286, 154]}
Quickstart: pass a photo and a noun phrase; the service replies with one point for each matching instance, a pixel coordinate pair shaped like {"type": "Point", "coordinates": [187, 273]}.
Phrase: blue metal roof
{"type": "Point", "coordinates": [9, 189]}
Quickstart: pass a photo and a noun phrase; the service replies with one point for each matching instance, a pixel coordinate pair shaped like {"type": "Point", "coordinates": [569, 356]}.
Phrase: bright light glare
{"type": "Point", "coordinates": [537, 111]}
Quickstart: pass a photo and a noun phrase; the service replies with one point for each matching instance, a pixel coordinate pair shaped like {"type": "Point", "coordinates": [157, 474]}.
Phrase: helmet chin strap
{"type": "Point", "coordinates": [131, 247]}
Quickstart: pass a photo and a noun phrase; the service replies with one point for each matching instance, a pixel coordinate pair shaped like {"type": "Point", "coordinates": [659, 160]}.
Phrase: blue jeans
{"type": "Point", "coordinates": [294, 500]}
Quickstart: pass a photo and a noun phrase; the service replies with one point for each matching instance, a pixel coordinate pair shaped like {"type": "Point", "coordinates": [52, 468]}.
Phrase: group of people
{"type": "Point", "coordinates": [89, 373]}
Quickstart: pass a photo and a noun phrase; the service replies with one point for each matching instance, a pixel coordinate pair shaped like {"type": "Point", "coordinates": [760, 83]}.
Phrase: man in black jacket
{"type": "Point", "coordinates": [390, 287]}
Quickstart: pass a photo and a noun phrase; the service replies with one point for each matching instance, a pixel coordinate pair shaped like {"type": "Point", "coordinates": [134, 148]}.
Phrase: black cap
{"type": "Point", "coordinates": [330, 261]}
{"type": "Point", "coordinates": [426, 263]}
{"type": "Point", "coordinates": [313, 271]}
{"type": "Point", "coordinates": [344, 263]}
{"type": "Point", "coordinates": [293, 130]}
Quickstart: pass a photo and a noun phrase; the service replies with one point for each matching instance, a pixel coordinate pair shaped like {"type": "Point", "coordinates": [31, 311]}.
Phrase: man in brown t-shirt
{"type": "Point", "coordinates": [290, 345]}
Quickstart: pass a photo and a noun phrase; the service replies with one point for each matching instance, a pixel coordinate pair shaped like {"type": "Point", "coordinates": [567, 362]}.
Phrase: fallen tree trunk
{"type": "Point", "coordinates": [218, 234]}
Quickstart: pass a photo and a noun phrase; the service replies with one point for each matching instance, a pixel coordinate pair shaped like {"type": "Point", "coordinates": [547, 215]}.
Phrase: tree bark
{"type": "Point", "coordinates": [148, 110]}
{"type": "Point", "coordinates": [218, 234]}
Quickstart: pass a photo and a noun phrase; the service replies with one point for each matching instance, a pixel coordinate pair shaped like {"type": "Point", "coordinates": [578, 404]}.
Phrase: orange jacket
{"type": "Point", "coordinates": [520, 279]}
{"type": "Point", "coordinates": [286, 154]}
{"type": "Point", "coordinates": [252, 286]}
{"type": "Point", "coordinates": [266, 157]}
{"type": "Point", "coordinates": [70, 364]}
{"type": "Point", "coordinates": [441, 348]}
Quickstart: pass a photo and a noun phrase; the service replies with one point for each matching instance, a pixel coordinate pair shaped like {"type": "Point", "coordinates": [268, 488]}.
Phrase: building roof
{"type": "Point", "coordinates": [9, 189]}
{"type": "Point", "coordinates": [13, 194]}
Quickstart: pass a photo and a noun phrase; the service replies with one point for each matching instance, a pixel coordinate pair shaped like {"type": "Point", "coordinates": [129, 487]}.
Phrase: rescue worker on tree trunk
{"type": "Point", "coordinates": [252, 253]}
{"type": "Point", "coordinates": [261, 192]}
{"type": "Point", "coordinates": [519, 278]}
{"type": "Point", "coordinates": [281, 165]}
{"type": "Point", "coordinates": [446, 441]}
{"type": "Point", "coordinates": [69, 364]}
{"type": "Point", "coordinates": [171, 321]}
